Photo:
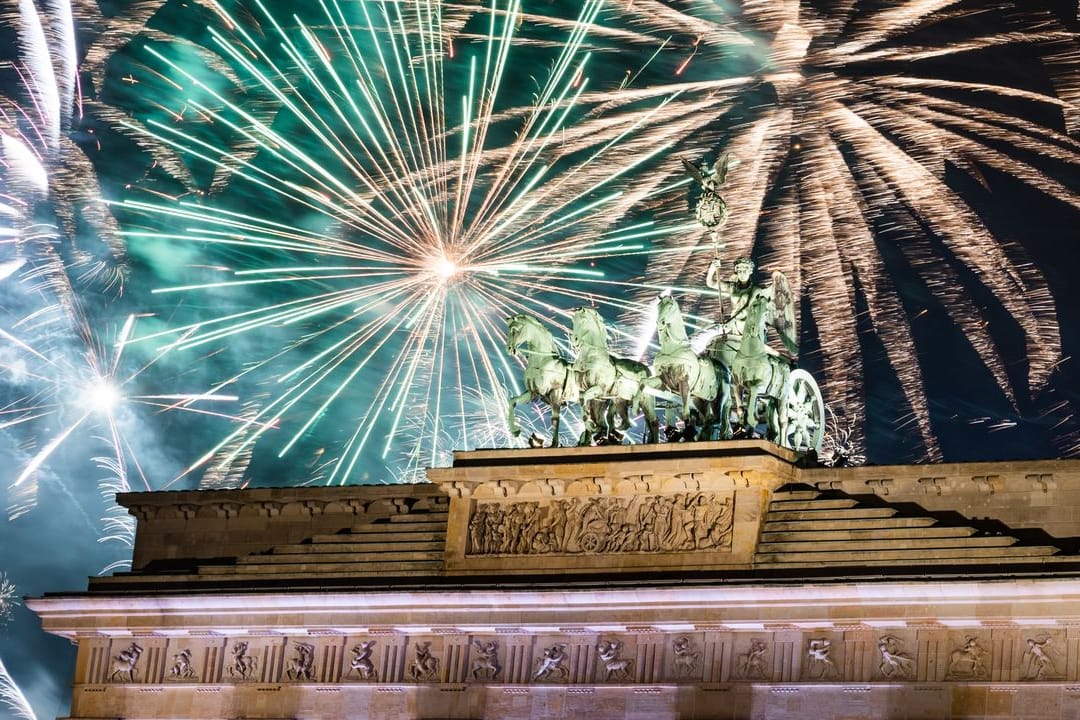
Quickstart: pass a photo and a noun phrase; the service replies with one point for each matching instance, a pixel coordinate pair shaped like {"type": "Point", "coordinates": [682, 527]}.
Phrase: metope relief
{"type": "Point", "coordinates": [485, 661]}
{"type": "Point", "coordinates": [752, 664]}
{"type": "Point", "coordinates": [424, 666]}
{"type": "Point", "coordinates": [617, 668]}
{"type": "Point", "coordinates": [682, 522]}
{"type": "Point", "coordinates": [301, 665]}
{"type": "Point", "coordinates": [550, 667]}
{"type": "Point", "coordinates": [361, 664]}
{"type": "Point", "coordinates": [241, 665]}
{"type": "Point", "coordinates": [1038, 661]}
{"type": "Point", "coordinates": [686, 657]}
{"type": "Point", "coordinates": [820, 664]}
{"type": "Point", "coordinates": [895, 662]}
{"type": "Point", "coordinates": [125, 664]}
{"type": "Point", "coordinates": [970, 661]}
{"type": "Point", "coordinates": [181, 667]}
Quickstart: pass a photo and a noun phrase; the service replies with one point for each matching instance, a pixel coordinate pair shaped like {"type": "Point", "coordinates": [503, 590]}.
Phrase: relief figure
{"type": "Point", "coordinates": [820, 665]}
{"type": "Point", "coordinates": [895, 663]}
{"type": "Point", "coordinates": [550, 665]}
{"type": "Point", "coordinates": [242, 665]}
{"type": "Point", "coordinates": [1037, 663]}
{"type": "Point", "coordinates": [617, 668]}
{"type": "Point", "coordinates": [683, 522]}
{"type": "Point", "coordinates": [302, 665]}
{"type": "Point", "coordinates": [425, 666]}
{"type": "Point", "coordinates": [485, 664]}
{"type": "Point", "coordinates": [181, 668]}
{"type": "Point", "coordinates": [124, 664]}
{"type": "Point", "coordinates": [751, 665]}
{"type": "Point", "coordinates": [966, 662]}
{"type": "Point", "coordinates": [361, 663]}
{"type": "Point", "coordinates": [686, 657]}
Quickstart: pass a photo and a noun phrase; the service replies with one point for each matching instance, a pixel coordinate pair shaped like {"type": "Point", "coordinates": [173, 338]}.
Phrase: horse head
{"type": "Point", "coordinates": [757, 314]}
{"type": "Point", "coordinates": [669, 321]}
{"type": "Point", "coordinates": [515, 327]}
{"type": "Point", "coordinates": [588, 329]}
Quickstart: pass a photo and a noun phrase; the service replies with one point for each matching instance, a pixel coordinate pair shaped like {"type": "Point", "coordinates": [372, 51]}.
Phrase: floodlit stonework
{"type": "Point", "coordinates": [705, 580]}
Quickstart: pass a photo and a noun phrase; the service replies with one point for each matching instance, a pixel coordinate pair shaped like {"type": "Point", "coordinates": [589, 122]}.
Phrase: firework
{"type": "Point", "coordinates": [11, 695]}
{"type": "Point", "coordinates": [853, 123]}
{"type": "Point", "coordinates": [403, 211]}
{"type": "Point", "coordinates": [40, 122]}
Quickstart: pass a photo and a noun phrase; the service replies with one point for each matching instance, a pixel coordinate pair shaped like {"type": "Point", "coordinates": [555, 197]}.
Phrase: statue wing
{"type": "Point", "coordinates": [784, 312]}
{"type": "Point", "coordinates": [722, 170]}
{"type": "Point", "coordinates": [693, 170]}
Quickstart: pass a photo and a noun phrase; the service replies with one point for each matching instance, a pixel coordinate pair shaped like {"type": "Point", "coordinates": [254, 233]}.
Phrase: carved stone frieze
{"type": "Point", "coordinates": [895, 663]}
{"type": "Point", "coordinates": [617, 669]}
{"type": "Point", "coordinates": [681, 522]}
{"type": "Point", "coordinates": [361, 664]}
{"type": "Point", "coordinates": [241, 665]}
{"type": "Point", "coordinates": [125, 664]}
{"type": "Point", "coordinates": [970, 661]}
{"type": "Point", "coordinates": [424, 666]}
{"type": "Point", "coordinates": [550, 665]}
{"type": "Point", "coordinates": [451, 655]}
{"type": "Point", "coordinates": [301, 665]}
{"type": "Point", "coordinates": [820, 665]}
{"type": "Point", "coordinates": [753, 664]}
{"type": "Point", "coordinates": [1041, 660]}
{"type": "Point", "coordinates": [687, 657]}
{"type": "Point", "coordinates": [181, 668]}
{"type": "Point", "coordinates": [485, 662]}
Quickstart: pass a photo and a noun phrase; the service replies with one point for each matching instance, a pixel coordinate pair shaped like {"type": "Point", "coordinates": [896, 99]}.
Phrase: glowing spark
{"type": "Point", "coordinates": [843, 157]}
{"type": "Point", "coordinates": [416, 213]}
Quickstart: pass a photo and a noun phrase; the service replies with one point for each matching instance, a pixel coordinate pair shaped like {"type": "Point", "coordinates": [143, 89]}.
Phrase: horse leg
{"type": "Point", "coordinates": [724, 402]}
{"type": "Point", "coordinates": [705, 410]}
{"type": "Point", "coordinates": [556, 402]}
{"type": "Point", "coordinates": [750, 411]}
{"type": "Point", "coordinates": [687, 408]}
{"type": "Point", "coordinates": [652, 424]}
{"type": "Point", "coordinates": [588, 412]}
{"type": "Point", "coordinates": [511, 417]}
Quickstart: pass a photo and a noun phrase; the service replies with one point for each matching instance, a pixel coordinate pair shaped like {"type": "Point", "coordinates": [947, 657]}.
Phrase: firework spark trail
{"type": "Point", "coordinates": [422, 227]}
{"type": "Point", "coordinates": [37, 120]}
{"type": "Point", "coordinates": [843, 118]}
{"type": "Point", "coordinates": [95, 386]}
{"type": "Point", "coordinates": [11, 695]}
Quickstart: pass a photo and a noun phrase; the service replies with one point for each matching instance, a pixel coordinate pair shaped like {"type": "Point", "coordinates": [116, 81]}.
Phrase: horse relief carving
{"type": "Point", "coordinates": [591, 525]}
{"type": "Point", "coordinates": [242, 665]}
{"type": "Point", "coordinates": [751, 664]}
{"type": "Point", "coordinates": [124, 664]}
{"type": "Point", "coordinates": [361, 663]}
{"type": "Point", "coordinates": [302, 664]}
{"type": "Point", "coordinates": [549, 666]}
{"type": "Point", "coordinates": [485, 663]}
{"type": "Point", "coordinates": [968, 661]}
{"type": "Point", "coordinates": [686, 655]}
{"type": "Point", "coordinates": [896, 664]}
{"type": "Point", "coordinates": [425, 666]}
{"type": "Point", "coordinates": [820, 665]}
{"type": "Point", "coordinates": [618, 669]}
{"type": "Point", "coordinates": [181, 668]}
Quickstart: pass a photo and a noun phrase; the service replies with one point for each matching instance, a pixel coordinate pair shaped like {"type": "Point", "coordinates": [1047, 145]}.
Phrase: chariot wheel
{"type": "Point", "coordinates": [591, 542]}
{"type": "Point", "coordinates": [802, 413]}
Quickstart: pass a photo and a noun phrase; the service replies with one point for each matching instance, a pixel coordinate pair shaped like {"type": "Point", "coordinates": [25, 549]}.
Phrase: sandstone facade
{"type": "Point", "coordinates": [709, 580]}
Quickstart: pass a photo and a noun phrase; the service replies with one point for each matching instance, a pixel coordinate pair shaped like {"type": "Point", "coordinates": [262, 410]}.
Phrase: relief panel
{"type": "Point", "coordinates": [683, 522]}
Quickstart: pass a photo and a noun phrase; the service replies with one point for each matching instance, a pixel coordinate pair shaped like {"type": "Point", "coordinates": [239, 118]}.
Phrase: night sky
{"type": "Point", "coordinates": [189, 147]}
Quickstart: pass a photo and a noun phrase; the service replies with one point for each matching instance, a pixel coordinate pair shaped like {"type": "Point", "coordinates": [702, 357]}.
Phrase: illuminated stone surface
{"type": "Point", "coordinates": [710, 580]}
